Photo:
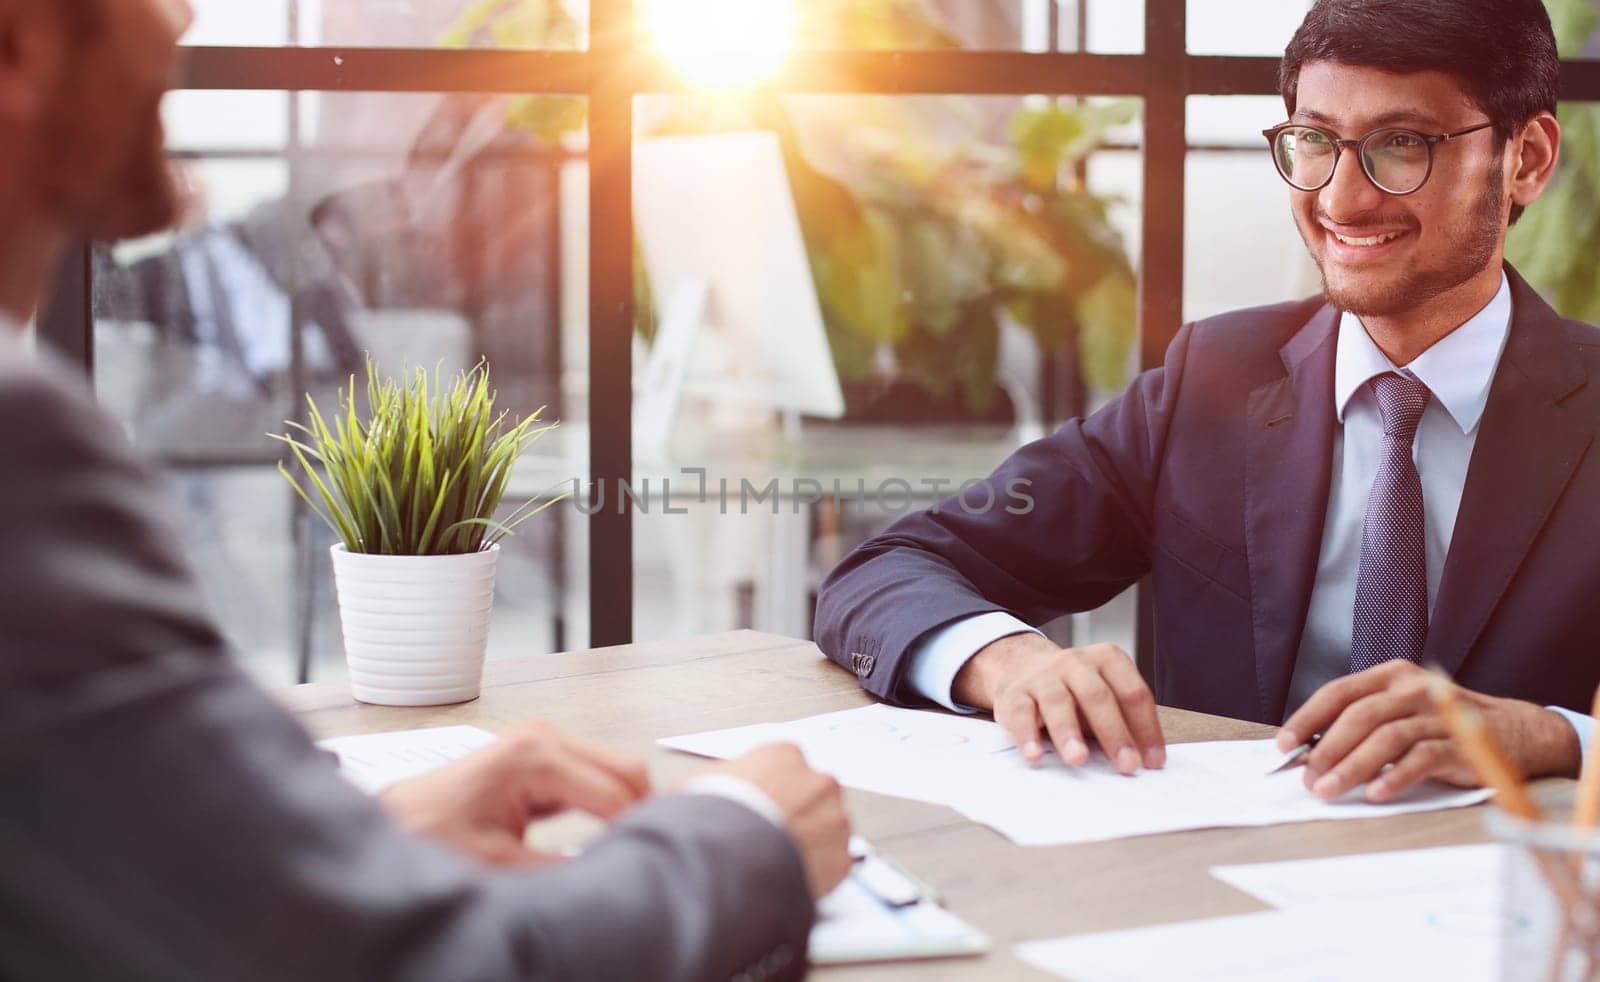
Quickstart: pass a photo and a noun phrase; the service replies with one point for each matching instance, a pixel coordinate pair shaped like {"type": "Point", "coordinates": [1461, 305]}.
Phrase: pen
{"type": "Point", "coordinates": [1297, 755]}
{"type": "Point", "coordinates": [887, 880]}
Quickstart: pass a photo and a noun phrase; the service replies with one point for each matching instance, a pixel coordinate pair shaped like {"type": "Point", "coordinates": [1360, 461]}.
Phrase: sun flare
{"type": "Point", "coordinates": [723, 43]}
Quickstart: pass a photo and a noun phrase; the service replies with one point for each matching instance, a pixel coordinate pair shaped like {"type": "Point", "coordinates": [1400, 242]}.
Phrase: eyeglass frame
{"type": "Point", "coordinates": [1431, 139]}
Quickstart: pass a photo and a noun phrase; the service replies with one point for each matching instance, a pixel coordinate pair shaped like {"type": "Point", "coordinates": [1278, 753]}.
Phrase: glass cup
{"type": "Point", "coordinates": [1551, 893]}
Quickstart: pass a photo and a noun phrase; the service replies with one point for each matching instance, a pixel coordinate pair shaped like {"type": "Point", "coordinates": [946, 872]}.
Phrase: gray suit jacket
{"type": "Point", "coordinates": [162, 818]}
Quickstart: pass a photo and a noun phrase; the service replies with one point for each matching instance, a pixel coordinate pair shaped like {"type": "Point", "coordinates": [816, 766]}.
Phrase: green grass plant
{"type": "Point", "coordinates": [422, 472]}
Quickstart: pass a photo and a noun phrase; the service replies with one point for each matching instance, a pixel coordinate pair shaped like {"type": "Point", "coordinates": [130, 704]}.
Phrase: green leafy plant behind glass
{"type": "Point", "coordinates": [942, 230]}
{"type": "Point", "coordinates": [421, 473]}
{"type": "Point", "coordinates": [1556, 243]}
{"type": "Point", "coordinates": [544, 25]}
{"type": "Point", "coordinates": [920, 244]}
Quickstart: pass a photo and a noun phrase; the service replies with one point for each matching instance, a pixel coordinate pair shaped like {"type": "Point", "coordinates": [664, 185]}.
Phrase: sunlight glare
{"type": "Point", "coordinates": [723, 43]}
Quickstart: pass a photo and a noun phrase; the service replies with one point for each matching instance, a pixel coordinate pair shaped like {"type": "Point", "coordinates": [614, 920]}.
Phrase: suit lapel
{"type": "Point", "coordinates": [1526, 452]}
{"type": "Point", "coordinates": [1288, 462]}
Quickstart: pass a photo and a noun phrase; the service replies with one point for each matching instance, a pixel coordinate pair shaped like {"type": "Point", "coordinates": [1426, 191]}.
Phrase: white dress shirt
{"type": "Point", "coordinates": [1458, 370]}
{"type": "Point", "coordinates": [736, 789]}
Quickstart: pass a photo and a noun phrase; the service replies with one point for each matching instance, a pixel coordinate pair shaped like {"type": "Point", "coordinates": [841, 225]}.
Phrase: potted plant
{"type": "Point", "coordinates": [411, 488]}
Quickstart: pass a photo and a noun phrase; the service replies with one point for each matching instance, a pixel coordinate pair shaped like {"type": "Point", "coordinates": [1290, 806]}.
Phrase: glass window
{"type": "Point", "coordinates": [1097, 26]}
{"type": "Point", "coordinates": [1111, 27]}
{"type": "Point", "coordinates": [1577, 27]}
{"type": "Point", "coordinates": [1243, 27]}
{"type": "Point", "coordinates": [264, 22]}
{"type": "Point", "coordinates": [1233, 196]}
{"type": "Point", "coordinates": [1557, 238]}
{"type": "Point", "coordinates": [985, 24]}
{"type": "Point", "coordinates": [1241, 247]}
{"type": "Point", "coordinates": [856, 304]}
{"type": "Point", "coordinates": [227, 121]}
{"type": "Point", "coordinates": [424, 230]}
{"type": "Point", "coordinates": [541, 24]}
{"type": "Point", "coordinates": [1232, 121]}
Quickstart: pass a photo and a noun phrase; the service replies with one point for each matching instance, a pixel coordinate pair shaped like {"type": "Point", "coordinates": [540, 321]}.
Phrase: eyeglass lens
{"type": "Point", "coordinates": [1396, 160]}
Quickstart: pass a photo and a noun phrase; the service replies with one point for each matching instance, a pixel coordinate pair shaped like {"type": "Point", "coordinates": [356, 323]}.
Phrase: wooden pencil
{"type": "Point", "coordinates": [1587, 811]}
{"type": "Point", "coordinates": [1489, 760]}
{"type": "Point", "coordinates": [1496, 770]}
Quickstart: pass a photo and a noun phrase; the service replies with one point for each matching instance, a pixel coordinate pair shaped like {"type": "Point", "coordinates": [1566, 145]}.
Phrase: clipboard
{"type": "Point", "coordinates": [882, 913]}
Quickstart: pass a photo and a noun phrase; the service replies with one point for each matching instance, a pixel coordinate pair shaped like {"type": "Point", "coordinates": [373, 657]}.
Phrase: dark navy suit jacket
{"type": "Point", "coordinates": [1211, 475]}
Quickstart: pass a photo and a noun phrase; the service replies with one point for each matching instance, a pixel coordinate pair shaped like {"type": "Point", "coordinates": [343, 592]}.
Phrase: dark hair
{"type": "Point", "coordinates": [1502, 51]}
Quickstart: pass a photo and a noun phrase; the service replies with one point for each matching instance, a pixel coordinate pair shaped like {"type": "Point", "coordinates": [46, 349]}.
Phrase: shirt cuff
{"type": "Point", "coordinates": [1581, 723]}
{"type": "Point", "coordinates": [939, 658]}
{"type": "Point", "coordinates": [736, 789]}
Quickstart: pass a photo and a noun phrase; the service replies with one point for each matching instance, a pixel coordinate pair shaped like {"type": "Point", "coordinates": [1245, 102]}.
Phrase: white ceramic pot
{"type": "Point", "coordinates": [415, 627]}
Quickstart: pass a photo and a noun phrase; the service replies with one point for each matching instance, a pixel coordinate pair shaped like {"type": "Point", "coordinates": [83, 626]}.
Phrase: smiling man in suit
{"type": "Point", "coordinates": [1325, 494]}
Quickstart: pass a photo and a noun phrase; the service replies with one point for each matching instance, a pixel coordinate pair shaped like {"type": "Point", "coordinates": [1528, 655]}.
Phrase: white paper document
{"type": "Point", "coordinates": [879, 913]}
{"type": "Point", "coordinates": [1418, 913]}
{"type": "Point", "coordinates": [1458, 874]}
{"type": "Point", "coordinates": [373, 761]}
{"type": "Point", "coordinates": [1351, 942]}
{"type": "Point", "coordinates": [970, 765]}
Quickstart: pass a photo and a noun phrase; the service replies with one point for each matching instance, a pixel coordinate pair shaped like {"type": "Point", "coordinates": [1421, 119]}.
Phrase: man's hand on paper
{"type": "Point", "coordinates": [811, 807]}
{"type": "Point", "coordinates": [1383, 716]}
{"type": "Point", "coordinates": [482, 803]}
{"type": "Point", "coordinates": [1038, 690]}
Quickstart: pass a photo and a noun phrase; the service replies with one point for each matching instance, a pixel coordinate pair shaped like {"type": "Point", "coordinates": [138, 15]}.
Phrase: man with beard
{"type": "Point", "coordinates": [160, 816]}
{"type": "Point", "coordinates": [1325, 494]}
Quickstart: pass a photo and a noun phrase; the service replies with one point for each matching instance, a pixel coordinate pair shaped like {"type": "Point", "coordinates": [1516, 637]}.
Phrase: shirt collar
{"type": "Point", "coordinates": [1458, 369]}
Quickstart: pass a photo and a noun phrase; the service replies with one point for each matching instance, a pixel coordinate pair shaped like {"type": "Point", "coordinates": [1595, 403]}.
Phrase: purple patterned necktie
{"type": "Point", "coordinates": [1391, 611]}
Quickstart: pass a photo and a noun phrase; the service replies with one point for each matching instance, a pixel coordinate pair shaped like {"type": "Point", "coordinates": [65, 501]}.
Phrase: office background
{"type": "Point", "coordinates": [1010, 206]}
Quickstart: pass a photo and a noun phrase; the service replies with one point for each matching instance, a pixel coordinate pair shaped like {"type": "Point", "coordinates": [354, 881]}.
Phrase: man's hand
{"type": "Point", "coordinates": [1034, 686]}
{"type": "Point", "coordinates": [1383, 716]}
{"type": "Point", "coordinates": [811, 807]}
{"type": "Point", "coordinates": [482, 803]}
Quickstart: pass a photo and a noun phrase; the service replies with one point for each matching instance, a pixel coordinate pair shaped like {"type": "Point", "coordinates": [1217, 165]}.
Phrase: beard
{"type": "Point", "coordinates": [146, 200]}
{"type": "Point", "coordinates": [139, 196]}
{"type": "Point", "coordinates": [109, 182]}
{"type": "Point", "coordinates": [1475, 247]}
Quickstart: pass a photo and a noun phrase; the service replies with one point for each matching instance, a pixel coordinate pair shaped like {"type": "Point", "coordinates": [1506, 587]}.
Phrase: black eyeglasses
{"type": "Point", "coordinates": [1396, 160]}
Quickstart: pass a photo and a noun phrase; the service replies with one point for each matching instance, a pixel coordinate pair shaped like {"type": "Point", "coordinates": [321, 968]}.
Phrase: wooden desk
{"type": "Point", "coordinates": [632, 695]}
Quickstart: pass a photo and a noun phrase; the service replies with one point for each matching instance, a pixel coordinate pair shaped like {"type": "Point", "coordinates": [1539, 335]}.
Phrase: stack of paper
{"type": "Point", "coordinates": [1463, 877]}
{"type": "Point", "coordinates": [1427, 913]}
{"type": "Point", "coordinates": [1395, 939]}
{"type": "Point", "coordinates": [971, 765]}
